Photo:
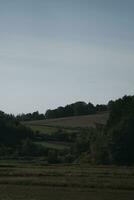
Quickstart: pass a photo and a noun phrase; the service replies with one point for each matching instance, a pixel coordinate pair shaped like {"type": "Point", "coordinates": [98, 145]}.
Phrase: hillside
{"type": "Point", "coordinates": [102, 138]}
{"type": "Point", "coordinates": [72, 122]}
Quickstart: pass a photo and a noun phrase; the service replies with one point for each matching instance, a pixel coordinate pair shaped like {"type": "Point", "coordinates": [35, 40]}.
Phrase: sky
{"type": "Point", "coordinates": [56, 52]}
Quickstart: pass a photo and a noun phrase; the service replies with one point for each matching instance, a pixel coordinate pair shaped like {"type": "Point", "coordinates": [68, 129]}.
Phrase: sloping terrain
{"type": "Point", "coordinates": [73, 122]}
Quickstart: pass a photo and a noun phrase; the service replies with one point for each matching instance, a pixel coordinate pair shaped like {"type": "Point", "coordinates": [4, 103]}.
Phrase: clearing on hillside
{"type": "Point", "coordinates": [85, 121]}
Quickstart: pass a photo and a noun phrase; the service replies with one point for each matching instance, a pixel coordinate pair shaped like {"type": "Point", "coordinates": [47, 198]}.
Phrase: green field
{"type": "Point", "coordinates": [54, 145]}
{"type": "Point", "coordinates": [36, 181]}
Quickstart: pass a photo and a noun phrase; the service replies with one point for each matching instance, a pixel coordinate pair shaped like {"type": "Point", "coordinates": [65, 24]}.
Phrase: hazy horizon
{"type": "Point", "coordinates": [54, 53]}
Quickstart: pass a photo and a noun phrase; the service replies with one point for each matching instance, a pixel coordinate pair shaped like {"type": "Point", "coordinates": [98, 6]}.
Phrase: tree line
{"type": "Point", "coordinates": [75, 109]}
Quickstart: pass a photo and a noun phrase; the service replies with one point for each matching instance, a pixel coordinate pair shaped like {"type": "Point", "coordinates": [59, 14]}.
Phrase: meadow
{"type": "Point", "coordinates": [71, 122]}
{"type": "Point", "coordinates": [37, 181]}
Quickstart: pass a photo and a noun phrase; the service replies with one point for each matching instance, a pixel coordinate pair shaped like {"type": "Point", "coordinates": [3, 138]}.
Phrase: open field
{"type": "Point", "coordinates": [54, 145]}
{"type": "Point", "coordinates": [36, 181]}
{"type": "Point", "coordinates": [16, 192]}
{"type": "Point", "coordinates": [50, 125]}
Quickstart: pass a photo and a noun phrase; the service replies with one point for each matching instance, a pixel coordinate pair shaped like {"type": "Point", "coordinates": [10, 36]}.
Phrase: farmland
{"type": "Point", "coordinates": [50, 125]}
{"type": "Point", "coordinates": [68, 125]}
{"type": "Point", "coordinates": [37, 181]}
{"type": "Point", "coordinates": [64, 158]}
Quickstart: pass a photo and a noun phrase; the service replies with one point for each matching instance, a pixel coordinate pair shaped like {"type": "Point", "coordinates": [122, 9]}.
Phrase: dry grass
{"type": "Point", "coordinates": [59, 182]}
{"type": "Point", "coordinates": [72, 122]}
{"type": "Point", "coordinates": [117, 178]}
{"type": "Point", "coordinates": [15, 192]}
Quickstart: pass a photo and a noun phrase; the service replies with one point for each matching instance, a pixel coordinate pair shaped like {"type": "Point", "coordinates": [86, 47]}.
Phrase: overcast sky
{"type": "Point", "coordinates": [55, 52]}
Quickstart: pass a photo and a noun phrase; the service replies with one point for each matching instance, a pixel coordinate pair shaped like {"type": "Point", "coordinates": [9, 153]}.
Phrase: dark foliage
{"type": "Point", "coordinates": [12, 133]}
{"type": "Point", "coordinates": [75, 109]}
{"type": "Point", "coordinates": [120, 131]}
{"type": "Point", "coordinates": [30, 116]}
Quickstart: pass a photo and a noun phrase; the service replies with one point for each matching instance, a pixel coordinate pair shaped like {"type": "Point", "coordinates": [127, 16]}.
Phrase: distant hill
{"type": "Point", "coordinates": [73, 122]}
{"type": "Point", "coordinates": [79, 108]}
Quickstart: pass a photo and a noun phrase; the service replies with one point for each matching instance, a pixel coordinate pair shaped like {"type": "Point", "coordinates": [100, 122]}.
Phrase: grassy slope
{"type": "Point", "coordinates": [68, 124]}
{"type": "Point", "coordinates": [71, 122]}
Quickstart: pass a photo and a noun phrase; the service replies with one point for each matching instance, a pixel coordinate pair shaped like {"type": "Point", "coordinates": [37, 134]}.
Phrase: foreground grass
{"type": "Point", "coordinates": [35, 181]}
{"type": "Point", "coordinates": [116, 178]}
{"type": "Point", "coordinates": [47, 193]}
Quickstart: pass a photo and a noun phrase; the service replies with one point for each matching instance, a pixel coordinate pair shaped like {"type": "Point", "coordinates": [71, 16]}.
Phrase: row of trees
{"type": "Point", "coordinates": [30, 116]}
{"type": "Point", "coordinates": [75, 109]}
{"type": "Point", "coordinates": [78, 108]}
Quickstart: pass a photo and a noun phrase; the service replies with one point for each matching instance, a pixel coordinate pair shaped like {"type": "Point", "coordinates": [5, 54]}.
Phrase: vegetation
{"type": "Point", "coordinates": [40, 158]}
{"type": "Point", "coordinates": [120, 131]}
{"type": "Point", "coordinates": [12, 134]}
{"type": "Point", "coordinates": [30, 116]}
{"type": "Point", "coordinates": [21, 180]}
{"type": "Point", "coordinates": [75, 109]}
{"type": "Point", "coordinates": [68, 123]}
{"type": "Point", "coordinates": [105, 142]}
